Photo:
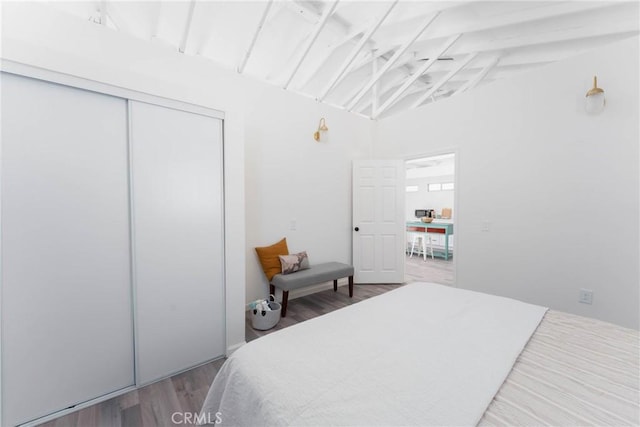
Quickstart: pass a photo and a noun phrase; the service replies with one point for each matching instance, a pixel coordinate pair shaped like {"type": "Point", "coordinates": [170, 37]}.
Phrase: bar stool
{"type": "Point", "coordinates": [424, 240]}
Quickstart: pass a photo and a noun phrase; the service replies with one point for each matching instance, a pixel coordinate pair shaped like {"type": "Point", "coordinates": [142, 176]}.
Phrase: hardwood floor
{"type": "Point", "coordinates": [435, 270]}
{"type": "Point", "coordinates": [153, 405]}
{"type": "Point", "coordinates": [310, 306]}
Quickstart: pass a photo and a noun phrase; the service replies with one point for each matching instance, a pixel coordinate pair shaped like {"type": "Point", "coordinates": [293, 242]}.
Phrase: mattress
{"type": "Point", "coordinates": [459, 361]}
{"type": "Point", "coordinates": [573, 371]}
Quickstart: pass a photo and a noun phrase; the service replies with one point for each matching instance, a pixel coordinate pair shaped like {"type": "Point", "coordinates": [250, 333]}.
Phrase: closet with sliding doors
{"type": "Point", "coordinates": [111, 240]}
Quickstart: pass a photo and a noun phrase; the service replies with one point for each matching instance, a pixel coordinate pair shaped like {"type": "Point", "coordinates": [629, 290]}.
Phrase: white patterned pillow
{"type": "Point", "coordinates": [294, 262]}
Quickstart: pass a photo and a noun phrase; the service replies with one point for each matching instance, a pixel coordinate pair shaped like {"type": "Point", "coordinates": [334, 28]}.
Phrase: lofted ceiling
{"type": "Point", "coordinates": [373, 58]}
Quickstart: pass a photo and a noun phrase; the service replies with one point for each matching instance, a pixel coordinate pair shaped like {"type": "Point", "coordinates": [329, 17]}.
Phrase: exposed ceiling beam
{"type": "Point", "coordinates": [409, 17]}
{"type": "Point", "coordinates": [427, 64]}
{"type": "Point", "coordinates": [113, 13]}
{"type": "Point", "coordinates": [532, 14]}
{"type": "Point", "coordinates": [316, 32]}
{"type": "Point", "coordinates": [349, 96]}
{"type": "Point", "coordinates": [370, 57]}
{"type": "Point", "coordinates": [187, 27]}
{"type": "Point", "coordinates": [353, 33]}
{"type": "Point", "coordinates": [382, 91]}
{"type": "Point", "coordinates": [356, 50]}
{"type": "Point", "coordinates": [103, 12]}
{"type": "Point", "coordinates": [417, 87]}
{"type": "Point", "coordinates": [543, 53]}
{"type": "Point", "coordinates": [470, 84]}
{"type": "Point", "coordinates": [304, 10]}
{"type": "Point", "coordinates": [263, 19]}
{"type": "Point", "coordinates": [324, 57]}
{"type": "Point", "coordinates": [393, 59]}
{"type": "Point", "coordinates": [376, 87]}
{"type": "Point", "coordinates": [391, 85]}
{"type": "Point", "coordinates": [411, 91]}
{"type": "Point", "coordinates": [155, 19]}
{"type": "Point", "coordinates": [516, 18]}
{"type": "Point", "coordinates": [205, 38]}
{"type": "Point", "coordinates": [551, 38]}
{"type": "Point", "coordinates": [367, 59]}
{"type": "Point", "coordinates": [444, 80]}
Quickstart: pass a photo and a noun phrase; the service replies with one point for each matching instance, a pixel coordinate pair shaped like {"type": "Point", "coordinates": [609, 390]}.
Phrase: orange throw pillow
{"type": "Point", "coordinates": [269, 257]}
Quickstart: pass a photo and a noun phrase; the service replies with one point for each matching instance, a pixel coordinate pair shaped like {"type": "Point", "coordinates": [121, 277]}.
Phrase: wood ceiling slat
{"type": "Point", "coordinates": [187, 27]}
{"type": "Point", "coordinates": [328, 53]}
{"type": "Point", "coordinates": [470, 84]}
{"type": "Point", "coordinates": [316, 32]}
{"type": "Point", "coordinates": [263, 20]}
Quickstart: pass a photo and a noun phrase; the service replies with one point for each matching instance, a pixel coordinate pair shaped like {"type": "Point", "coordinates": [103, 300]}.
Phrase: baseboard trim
{"type": "Point", "coordinates": [232, 348]}
{"type": "Point", "coordinates": [78, 407]}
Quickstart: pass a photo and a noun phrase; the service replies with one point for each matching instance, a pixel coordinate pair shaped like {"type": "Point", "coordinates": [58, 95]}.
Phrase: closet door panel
{"type": "Point", "coordinates": [67, 332]}
{"type": "Point", "coordinates": [177, 202]}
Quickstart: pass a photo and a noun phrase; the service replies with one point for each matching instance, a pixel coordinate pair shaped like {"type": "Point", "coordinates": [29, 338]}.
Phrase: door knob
{"type": "Point", "coordinates": [357, 229]}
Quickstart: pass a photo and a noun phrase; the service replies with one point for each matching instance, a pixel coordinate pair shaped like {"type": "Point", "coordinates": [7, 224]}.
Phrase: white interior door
{"type": "Point", "coordinates": [378, 221]}
{"type": "Point", "coordinates": [178, 239]}
{"type": "Point", "coordinates": [67, 332]}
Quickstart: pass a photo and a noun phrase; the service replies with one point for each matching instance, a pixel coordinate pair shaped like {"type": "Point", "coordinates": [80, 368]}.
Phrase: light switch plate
{"type": "Point", "coordinates": [586, 296]}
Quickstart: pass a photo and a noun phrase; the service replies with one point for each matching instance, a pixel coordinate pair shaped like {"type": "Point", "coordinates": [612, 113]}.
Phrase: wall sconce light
{"type": "Point", "coordinates": [595, 98]}
{"type": "Point", "coordinates": [321, 132]}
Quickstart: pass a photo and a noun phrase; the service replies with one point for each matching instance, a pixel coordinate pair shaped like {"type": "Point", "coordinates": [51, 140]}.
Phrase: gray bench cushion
{"type": "Point", "coordinates": [317, 273]}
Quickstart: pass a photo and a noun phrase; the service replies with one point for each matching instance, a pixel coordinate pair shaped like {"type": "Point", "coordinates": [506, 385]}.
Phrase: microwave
{"type": "Point", "coordinates": [419, 213]}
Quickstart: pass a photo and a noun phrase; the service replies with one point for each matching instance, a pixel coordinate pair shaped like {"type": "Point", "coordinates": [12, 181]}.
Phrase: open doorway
{"type": "Point", "coordinates": [430, 214]}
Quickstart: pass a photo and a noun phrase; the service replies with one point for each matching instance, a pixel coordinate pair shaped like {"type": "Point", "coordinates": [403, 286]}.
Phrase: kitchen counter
{"type": "Point", "coordinates": [438, 226]}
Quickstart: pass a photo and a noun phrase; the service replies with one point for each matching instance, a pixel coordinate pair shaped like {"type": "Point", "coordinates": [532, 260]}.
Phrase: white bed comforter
{"type": "Point", "coordinates": [423, 354]}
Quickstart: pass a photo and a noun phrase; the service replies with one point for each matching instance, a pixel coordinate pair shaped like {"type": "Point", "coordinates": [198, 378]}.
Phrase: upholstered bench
{"type": "Point", "coordinates": [315, 274]}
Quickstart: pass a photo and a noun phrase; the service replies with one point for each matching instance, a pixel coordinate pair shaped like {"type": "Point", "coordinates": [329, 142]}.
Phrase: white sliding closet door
{"type": "Point", "coordinates": [178, 239]}
{"type": "Point", "coordinates": [67, 333]}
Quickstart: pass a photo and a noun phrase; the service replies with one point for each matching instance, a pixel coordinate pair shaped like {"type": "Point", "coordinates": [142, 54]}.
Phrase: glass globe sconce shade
{"type": "Point", "coordinates": [322, 132]}
{"type": "Point", "coordinates": [595, 100]}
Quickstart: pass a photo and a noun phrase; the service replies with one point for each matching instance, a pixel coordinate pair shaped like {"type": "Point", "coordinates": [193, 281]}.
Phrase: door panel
{"type": "Point", "coordinates": [378, 200]}
{"type": "Point", "coordinates": [67, 333]}
{"type": "Point", "coordinates": [178, 230]}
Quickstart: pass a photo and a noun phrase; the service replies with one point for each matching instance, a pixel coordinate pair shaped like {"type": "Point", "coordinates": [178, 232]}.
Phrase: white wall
{"type": "Point", "coordinates": [560, 188]}
{"type": "Point", "coordinates": [274, 170]}
{"type": "Point", "coordinates": [290, 177]}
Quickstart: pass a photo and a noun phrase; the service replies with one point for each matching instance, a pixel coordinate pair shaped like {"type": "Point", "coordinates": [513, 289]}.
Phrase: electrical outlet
{"type": "Point", "coordinates": [293, 225]}
{"type": "Point", "coordinates": [586, 296]}
{"type": "Point", "coordinates": [486, 225]}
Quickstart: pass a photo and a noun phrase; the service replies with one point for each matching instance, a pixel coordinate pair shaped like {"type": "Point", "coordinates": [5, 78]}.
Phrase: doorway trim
{"type": "Point", "coordinates": [456, 179]}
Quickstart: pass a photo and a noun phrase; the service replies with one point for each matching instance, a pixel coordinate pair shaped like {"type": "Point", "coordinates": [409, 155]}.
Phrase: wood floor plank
{"type": "Point", "coordinates": [70, 420]}
{"type": "Point", "coordinates": [132, 416]}
{"type": "Point", "coordinates": [110, 413]}
{"type": "Point", "coordinates": [89, 416]}
{"type": "Point", "coordinates": [128, 400]}
{"type": "Point", "coordinates": [435, 270]}
{"type": "Point", "coordinates": [158, 402]}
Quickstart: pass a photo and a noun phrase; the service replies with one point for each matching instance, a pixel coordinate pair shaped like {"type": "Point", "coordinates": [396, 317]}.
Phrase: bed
{"type": "Point", "coordinates": [427, 354]}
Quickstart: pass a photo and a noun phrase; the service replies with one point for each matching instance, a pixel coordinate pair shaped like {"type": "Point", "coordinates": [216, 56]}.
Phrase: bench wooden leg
{"type": "Point", "coordinates": [335, 285]}
{"type": "Point", "coordinates": [285, 297]}
{"type": "Point", "coordinates": [272, 290]}
{"type": "Point", "coordinates": [350, 286]}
